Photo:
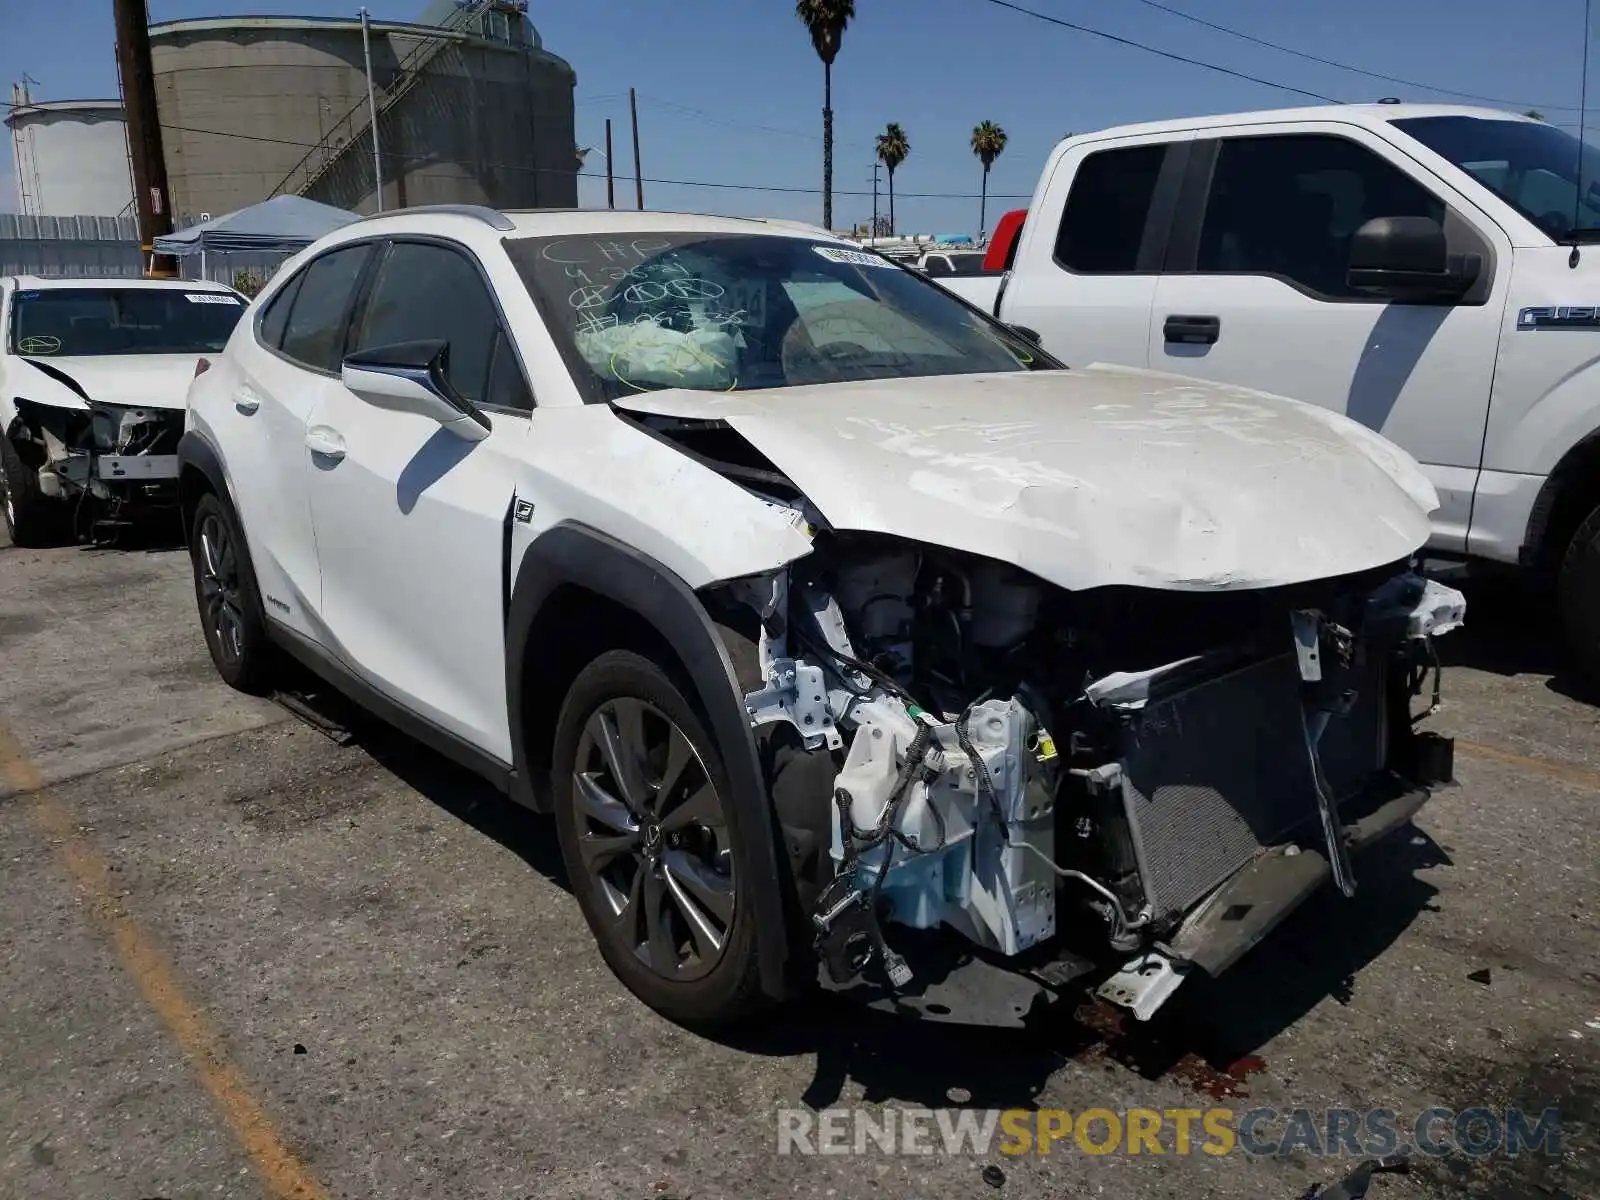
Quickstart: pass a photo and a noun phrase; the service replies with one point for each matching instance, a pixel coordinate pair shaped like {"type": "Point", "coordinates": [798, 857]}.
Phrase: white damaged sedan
{"type": "Point", "coordinates": [848, 638]}
{"type": "Point", "coordinates": [93, 374]}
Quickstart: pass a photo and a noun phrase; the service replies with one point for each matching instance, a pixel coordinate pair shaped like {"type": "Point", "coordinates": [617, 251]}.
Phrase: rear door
{"type": "Point", "coordinates": [1255, 293]}
{"type": "Point", "coordinates": [412, 521]}
{"type": "Point", "coordinates": [282, 368]}
{"type": "Point", "coordinates": [1090, 256]}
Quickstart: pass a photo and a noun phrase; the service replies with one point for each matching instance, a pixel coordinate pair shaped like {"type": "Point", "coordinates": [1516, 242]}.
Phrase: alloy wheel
{"type": "Point", "coordinates": [653, 838]}
{"type": "Point", "coordinates": [219, 589]}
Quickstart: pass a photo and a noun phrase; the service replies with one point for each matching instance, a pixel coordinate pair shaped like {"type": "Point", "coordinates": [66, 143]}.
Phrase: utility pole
{"type": "Point", "coordinates": [638, 175]}
{"type": "Point", "coordinates": [874, 230]}
{"type": "Point", "coordinates": [611, 188]}
{"type": "Point", "coordinates": [152, 201]}
{"type": "Point", "coordinates": [372, 109]}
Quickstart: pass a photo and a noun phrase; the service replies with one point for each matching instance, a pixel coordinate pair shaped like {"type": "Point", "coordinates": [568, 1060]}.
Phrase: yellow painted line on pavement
{"type": "Point", "coordinates": [1539, 766]}
{"type": "Point", "coordinates": [286, 1176]}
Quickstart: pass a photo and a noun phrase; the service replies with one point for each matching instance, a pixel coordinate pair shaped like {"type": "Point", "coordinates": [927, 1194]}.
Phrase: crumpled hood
{"type": "Point", "coordinates": [135, 380]}
{"type": "Point", "coordinates": [1106, 475]}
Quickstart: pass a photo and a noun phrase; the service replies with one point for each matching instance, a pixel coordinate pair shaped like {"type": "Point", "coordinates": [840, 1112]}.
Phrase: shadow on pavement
{"type": "Point", "coordinates": [1205, 1038]}
{"type": "Point", "coordinates": [1512, 629]}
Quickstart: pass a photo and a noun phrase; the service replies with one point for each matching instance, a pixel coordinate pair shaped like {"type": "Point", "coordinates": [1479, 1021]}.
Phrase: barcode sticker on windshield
{"type": "Point", "coordinates": [859, 258]}
{"type": "Point", "coordinates": [210, 298]}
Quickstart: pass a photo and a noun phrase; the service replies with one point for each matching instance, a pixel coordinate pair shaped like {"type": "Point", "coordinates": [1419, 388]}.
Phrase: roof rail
{"type": "Point", "coordinates": [491, 217]}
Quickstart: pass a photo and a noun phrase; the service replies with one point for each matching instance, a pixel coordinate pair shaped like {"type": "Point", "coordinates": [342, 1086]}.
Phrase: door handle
{"type": "Point", "coordinates": [325, 442]}
{"type": "Point", "coordinates": [1192, 331]}
{"type": "Point", "coordinates": [246, 401]}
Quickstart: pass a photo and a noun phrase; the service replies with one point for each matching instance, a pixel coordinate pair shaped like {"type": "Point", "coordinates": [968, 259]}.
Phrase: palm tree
{"type": "Point", "coordinates": [988, 143]}
{"type": "Point", "coordinates": [825, 21]}
{"type": "Point", "coordinates": [893, 149]}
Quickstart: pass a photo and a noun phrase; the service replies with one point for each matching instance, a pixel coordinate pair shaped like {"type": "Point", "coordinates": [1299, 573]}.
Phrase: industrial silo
{"type": "Point", "coordinates": [472, 109]}
{"type": "Point", "coordinates": [71, 157]}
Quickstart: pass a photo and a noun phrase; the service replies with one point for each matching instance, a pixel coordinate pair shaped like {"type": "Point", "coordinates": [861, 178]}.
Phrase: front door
{"type": "Point", "coordinates": [1254, 293]}
{"type": "Point", "coordinates": [410, 518]}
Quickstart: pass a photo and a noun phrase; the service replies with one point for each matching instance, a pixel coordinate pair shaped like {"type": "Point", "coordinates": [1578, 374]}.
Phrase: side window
{"type": "Point", "coordinates": [507, 388]}
{"type": "Point", "coordinates": [937, 264]}
{"type": "Point", "coordinates": [314, 334]}
{"type": "Point", "coordinates": [1287, 206]}
{"type": "Point", "coordinates": [425, 291]}
{"type": "Point", "coordinates": [276, 318]}
{"type": "Point", "coordinates": [1107, 208]}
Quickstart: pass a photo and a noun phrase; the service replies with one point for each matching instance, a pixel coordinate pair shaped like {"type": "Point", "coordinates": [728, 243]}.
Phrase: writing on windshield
{"type": "Point", "coordinates": [69, 322]}
{"type": "Point", "coordinates": [727, 312]}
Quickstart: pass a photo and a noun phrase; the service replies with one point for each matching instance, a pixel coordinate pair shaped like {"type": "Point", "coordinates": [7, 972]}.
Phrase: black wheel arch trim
{"type": "Point", "coordinates": [574, 554]}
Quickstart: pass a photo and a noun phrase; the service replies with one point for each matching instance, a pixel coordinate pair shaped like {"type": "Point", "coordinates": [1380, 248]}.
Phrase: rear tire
{"type": "Point", "coordinates": [229, 602]}
{"type": "Point", "coordinates": [641, 805]}
{"type": "Point", "coordinates": [33, 520]}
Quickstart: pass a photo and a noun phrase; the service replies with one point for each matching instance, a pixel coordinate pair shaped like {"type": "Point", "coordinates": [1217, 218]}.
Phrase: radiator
{"type": "Point", "coordinates": [1218, 770]}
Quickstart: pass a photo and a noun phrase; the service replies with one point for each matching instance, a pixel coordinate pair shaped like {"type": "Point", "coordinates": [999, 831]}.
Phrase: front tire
{"type": "Point", "coordinates": [229, 602]}
{"type": "Point", "coordinates": [33, 520]}
{"type": "Point", "coordinates": [641, 806]}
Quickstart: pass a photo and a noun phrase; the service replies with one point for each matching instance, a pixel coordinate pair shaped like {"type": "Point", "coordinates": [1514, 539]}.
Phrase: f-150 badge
{"type": "Point", "coordinates": [1575, 316]}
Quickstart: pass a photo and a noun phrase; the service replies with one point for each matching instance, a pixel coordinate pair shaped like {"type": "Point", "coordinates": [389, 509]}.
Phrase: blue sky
{"type": "Point", "coordinates": [731, 91]}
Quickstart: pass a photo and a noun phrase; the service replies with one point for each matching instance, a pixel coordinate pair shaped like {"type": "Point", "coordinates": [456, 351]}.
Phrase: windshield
{"type": "Point", "coordinates": [1532, 166]}
{"type": "Point", "coordinates": [64, 322]}
{"type": "Point", "coordinates": [731, 312]}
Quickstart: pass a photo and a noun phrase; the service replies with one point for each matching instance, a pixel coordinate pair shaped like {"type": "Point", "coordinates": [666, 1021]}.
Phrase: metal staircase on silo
{"type": "Point", "coordinates": [352, 132]}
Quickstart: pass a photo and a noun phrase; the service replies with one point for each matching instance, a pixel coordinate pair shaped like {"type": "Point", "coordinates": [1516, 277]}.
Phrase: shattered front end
{"type": "Point", "coordinates": [111, 463]}
{"type": "Point", "coordinates": [1027, 785]}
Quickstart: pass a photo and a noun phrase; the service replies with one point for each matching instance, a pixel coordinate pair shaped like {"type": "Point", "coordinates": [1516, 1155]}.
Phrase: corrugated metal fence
{"type": "Point", "coordinates": [79, 246]}
{"type": "Point", "coordinates": [69, 245]}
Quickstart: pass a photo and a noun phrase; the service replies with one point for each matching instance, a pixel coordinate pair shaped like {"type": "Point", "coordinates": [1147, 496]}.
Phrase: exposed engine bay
{"type": "Point", "coordinates": [1064, 781]}
{"type": "Point", "coordinates": [109, 462]}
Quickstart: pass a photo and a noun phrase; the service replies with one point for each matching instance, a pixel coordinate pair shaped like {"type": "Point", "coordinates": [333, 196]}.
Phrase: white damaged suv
{"type": "Point", "coordinates": [93, 374]}
{"type": "Point", "coordinates": [847, 637]}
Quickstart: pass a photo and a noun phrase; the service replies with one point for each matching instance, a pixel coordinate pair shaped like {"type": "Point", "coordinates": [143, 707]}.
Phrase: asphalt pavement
{"type": "Point", "coordinates": [243, 956]}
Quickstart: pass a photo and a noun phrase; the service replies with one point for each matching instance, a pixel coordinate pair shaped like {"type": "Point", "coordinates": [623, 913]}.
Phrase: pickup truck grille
{"type": "Point", "coordinates": [1218, 771]}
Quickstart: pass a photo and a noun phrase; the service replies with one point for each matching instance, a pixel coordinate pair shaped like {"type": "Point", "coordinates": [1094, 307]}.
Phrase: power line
{"type": "Point", "coordinates": [706, 118]}
{"type": "Point", "coordinates": [1168, 54]}
{"type": "Point", "coordinates": [700, 183]}
{"type": "Point", "coordinates": [1328, 62]}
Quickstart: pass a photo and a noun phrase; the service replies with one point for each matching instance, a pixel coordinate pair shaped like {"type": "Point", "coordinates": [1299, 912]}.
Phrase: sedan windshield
{"type": "Point", "coordinates": [66, 322]}
{"type": "Point", "coordinates": [730, 312]}
{"type": "Point", "coordinates": [1532, 166]}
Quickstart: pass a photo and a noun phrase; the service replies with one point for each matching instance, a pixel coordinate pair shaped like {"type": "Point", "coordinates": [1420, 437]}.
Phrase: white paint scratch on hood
{"type": "Point", "coordinates": [136, 380]}
{"type": "Point", "coordinates": [1092, 477]}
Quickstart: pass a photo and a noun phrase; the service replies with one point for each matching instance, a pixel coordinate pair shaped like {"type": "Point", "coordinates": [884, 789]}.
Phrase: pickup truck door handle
{"type": "Point", "coordinates": [325, 442]}
{"type": "Point", "coordinates": [1192, 331]}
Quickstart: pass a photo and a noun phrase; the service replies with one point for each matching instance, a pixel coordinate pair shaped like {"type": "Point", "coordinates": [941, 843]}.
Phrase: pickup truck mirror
{"type": "Point", "coordinates": [1408, 258]}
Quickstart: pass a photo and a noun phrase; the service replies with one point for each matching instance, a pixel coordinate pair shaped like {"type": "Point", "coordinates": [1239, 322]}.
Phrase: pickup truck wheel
{"type": "Point", "coordinates": [1578, 593]}
{"type": "Point", "coordinates": [33, 520]}
{"type": "Point", "coordinates": [641, 799]}
{"type": "Point", "coordinates": [229, 602]}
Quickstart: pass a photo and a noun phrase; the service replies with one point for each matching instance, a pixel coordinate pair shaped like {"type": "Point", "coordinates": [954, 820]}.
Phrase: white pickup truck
{"type": "Point", "coordinates": [1431, 271]}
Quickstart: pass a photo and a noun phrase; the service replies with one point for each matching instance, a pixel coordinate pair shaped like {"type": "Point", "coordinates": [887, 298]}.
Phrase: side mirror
{"type": "Point", "coordinates": [1408, 258]}
{"type": "Point", "coordinates": [412, 377]}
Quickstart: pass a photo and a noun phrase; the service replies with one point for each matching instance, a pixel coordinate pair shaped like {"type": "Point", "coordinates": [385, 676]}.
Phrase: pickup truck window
{"type": "Point", "coordinates": [1287, 205]}
{"type": "Point", "coordinates": [1107, 207]}
{"type": "Point", "coordinates": [727, 312]}
{"type": "Point", "coordinates": [1532, 166]}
